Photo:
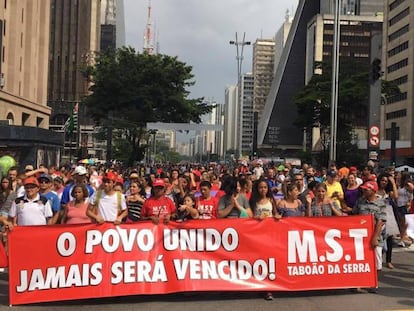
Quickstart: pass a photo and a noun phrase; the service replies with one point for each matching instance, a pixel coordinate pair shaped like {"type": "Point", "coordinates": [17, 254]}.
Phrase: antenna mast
{"type": "Point", "coordinates": [148, 40]}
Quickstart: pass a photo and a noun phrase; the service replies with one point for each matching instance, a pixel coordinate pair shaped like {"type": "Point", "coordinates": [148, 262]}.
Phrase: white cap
{"type": "Point", "coordinates": [79, 170]}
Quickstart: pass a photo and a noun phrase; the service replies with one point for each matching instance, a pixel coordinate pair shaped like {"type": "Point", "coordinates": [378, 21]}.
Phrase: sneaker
{"type": "Point", "coordinates": [358, 290]}
{"type": "Point", "coordinates": [373, 290]}
{"type": "Point", "coordinates": [401, 244]}
{"type": "Point", "coordinates": [269, 296]}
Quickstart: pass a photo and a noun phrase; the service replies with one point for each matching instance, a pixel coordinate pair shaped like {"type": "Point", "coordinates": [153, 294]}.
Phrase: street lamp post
{"type": "Point", "coordinates": [335, 78]}
{"type": "Point", "coordinates": [239, 57]}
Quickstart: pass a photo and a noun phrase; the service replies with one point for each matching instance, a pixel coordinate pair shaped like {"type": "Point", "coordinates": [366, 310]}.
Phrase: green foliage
{"type": "Point", "coordinates": [137, 88]}
{"type": "Point", "coordinates": [314, 101]}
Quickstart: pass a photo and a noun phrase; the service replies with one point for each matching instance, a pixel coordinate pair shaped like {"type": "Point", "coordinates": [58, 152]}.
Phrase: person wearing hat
{"type": "Point", "coordinates": [158, 206]}
{"type": "Point", "coordinates": [79, 176]}
{"type": "Point", "coordinates": [45, 189]}
{"type": "Point", "coordinates": [107, 204]}
{"type": "Point", "coordinates": [370, 204]}
{"type": "Point", "coordinates": [31, 209]}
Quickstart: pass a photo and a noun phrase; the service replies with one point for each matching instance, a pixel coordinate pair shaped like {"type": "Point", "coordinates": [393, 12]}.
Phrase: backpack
{"type": "Point", "coordinates": [119, 198]}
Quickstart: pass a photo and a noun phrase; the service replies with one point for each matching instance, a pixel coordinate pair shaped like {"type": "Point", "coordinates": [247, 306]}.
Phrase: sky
{"type": "Point", "coordinates": [198, 33]}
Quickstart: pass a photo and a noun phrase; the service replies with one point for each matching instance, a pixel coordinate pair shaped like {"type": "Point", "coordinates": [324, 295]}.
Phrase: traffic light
{"type": "Point", "coordinates": [376, 72]}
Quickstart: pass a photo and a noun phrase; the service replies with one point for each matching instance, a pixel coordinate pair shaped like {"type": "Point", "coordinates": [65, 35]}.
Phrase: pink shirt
{"type": "Point", "coordinates": [77, 215]}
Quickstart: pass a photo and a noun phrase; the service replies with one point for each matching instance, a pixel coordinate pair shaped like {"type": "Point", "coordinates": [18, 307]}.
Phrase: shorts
{"type": "Point", "coordinates": [402, 211]}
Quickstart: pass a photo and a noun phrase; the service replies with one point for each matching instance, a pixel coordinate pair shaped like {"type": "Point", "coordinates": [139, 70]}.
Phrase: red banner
{"type": "Point", "coordinates": [85, 261]}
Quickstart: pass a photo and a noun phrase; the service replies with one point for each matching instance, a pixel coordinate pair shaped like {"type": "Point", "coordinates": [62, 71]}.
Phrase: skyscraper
{"type": "Point", "coordinates": [397, 65]}
{"type": "Point", "coordinates": [24, 115]}
{"type": "Point", "coordinates": [74, 39]}
{"type": "Point", "coordinates": [276, 126]}
{"type": "Point", "coordinates": [263, 64]}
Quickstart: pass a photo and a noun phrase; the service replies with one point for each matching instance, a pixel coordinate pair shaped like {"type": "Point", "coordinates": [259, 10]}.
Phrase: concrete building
{"type": "Point", "coordinates": [24, 114]}
{"type": "Point", "coordinates": [74, 39]}
{"type": "Point", "coordinates": [112, 24]}
{"type": "Point", "coordinates": [246, 125]}
{"type": "Point", "coordinates": [263, 64]}
{"type": "Point", "coordinates": [231, 126]}
{"type": "Point", "coordinates": [355, 43]}
{"type": "Point", "coordinates": [280, 39]}
{"type": "Point", "coordinates": [398, 66]}
{"type": "Point", "coordinates": [276, 129]}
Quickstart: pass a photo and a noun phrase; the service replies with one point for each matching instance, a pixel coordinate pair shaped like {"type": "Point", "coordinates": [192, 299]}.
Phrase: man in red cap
{"type": "Point", "coordinates": [370, 204]}
{"type": "Point", "coordinates": [31, 209]}
{"type": "Point", "coordinates": [107, 204]}
{"type": "Point", "coordinates": [158, 206]}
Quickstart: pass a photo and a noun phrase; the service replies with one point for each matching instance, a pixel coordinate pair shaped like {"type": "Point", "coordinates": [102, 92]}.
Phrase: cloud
{"type": "Point", "coordinates": [198, 32]}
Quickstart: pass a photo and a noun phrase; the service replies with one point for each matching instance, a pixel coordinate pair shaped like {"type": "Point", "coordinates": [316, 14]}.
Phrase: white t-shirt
{"type": "Point", "coordinates": [31, 212]}
{"type": "Point", "coordinates": [108, 205]}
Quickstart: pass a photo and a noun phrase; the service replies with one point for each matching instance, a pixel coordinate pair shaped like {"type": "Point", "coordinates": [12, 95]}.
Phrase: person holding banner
{"type": "Point", "coordinates": [262, 201]}
{"type": "Point", "coordinates": [107, 204]}
{"type": "Point", "coordinates": [158, 206]}
{"type": "Point", "coordinates": [370, 204]}
{"type": "Point", "coordinates": [290, 205]}
{"type": "Point", "coordinates": [206, 205]}
{"type": "Point", "coordinates": [321, 204]}
{"type": "Point", "coordinates": [31, 209]}
{"type": "Point", "coordinates": [233, 204]}
{"type": "Point", "coordinates": [75, 210]}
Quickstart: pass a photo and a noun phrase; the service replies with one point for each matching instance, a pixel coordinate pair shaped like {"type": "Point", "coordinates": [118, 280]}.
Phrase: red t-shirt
{"type": "Point", "coordinates": [207, 208]}
{"type": "Point", "coordinates": [158, 207]}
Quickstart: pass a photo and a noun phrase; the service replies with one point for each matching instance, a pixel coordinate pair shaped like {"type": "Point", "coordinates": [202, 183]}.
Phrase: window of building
{"type": "Point", "coordinates": [395, 4]}
{"type": "Point", "coordinates": [397, 98]}
{"type": "Point", "coordinates": [398, 49]}
{"type": "Point", "coordinates": [401, 80]}
{"type": "Point", "coordinates": [399, 16]}
{"type": "Point", "coordinates": [399, 33]}
{"type": "Point", "coordinates": [388, 133]}
{"type": "Point", "coordinates": [401, 64]}
{"type": "Point", "coordinates": [396, 114]}
{"type": "Point", "coordinates": [10, 117]}
{"type": "Point", "coordinates": [39, 121]}
{"type": "Point", "coordinates": [25, 117]}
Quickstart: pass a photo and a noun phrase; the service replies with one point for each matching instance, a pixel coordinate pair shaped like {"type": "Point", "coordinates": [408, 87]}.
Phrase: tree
{"type": "Point", "coordinates": [139, 88]}
{"type": "Point", "coordinates": [314, 105]}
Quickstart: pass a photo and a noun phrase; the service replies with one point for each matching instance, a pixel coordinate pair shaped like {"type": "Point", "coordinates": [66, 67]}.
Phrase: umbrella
{"type": "Point", "coordinates": [86, 161]}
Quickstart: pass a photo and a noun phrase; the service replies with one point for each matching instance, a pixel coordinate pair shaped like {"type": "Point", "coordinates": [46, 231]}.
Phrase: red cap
{"type": "Point", "coordinates": [31, 181]}
{"type": "Point", "coordinates": [372, 177]}
{"type": "Point", "coordinates": [158, 183]}
{"type": "Point", "coordinates": [372, 185]}
{"type": "Point", "coordinates": [111, 176]}
{"type": "Point", "coordinates": [353, 169]}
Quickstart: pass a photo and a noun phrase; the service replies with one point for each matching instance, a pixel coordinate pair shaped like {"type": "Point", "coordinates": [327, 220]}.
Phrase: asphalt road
{"type": "Point", "coordinates": [396, 292]}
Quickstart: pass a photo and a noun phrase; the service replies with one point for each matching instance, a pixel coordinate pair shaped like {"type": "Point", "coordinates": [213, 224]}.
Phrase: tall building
{"type": "Point", "coordinates": [246, 124]}
{"type": "Point", "coordinates": [276, 127]}
{"type": "Point", "coordinates": [263, 63]}
{"type": "Point", "coordinates": [398, 66]}
{"type": "Point", "coordinates": [280, 39]}
{"type": "Point", "coordinates": [231, 138]}
{"type": "Point", "coordinates": [355, 44]}
{"type": "Point", "coordinates": [24, 114]}
{"type": "Point", "coordinates": [74, 39]}
{"type": "Point", "coordinates": [353, 7]}
{"type": "Point", "coordinates": [112, 24]}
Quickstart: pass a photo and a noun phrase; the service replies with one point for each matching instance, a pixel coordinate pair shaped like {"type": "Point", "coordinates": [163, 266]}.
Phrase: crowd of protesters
{"type": "Point", "coordinates": [85, 194]}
